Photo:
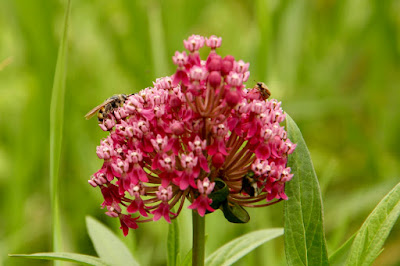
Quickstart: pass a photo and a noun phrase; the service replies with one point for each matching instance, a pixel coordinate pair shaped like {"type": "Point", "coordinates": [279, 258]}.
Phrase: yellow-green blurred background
{"type": "Point", "coordinates": [334, 64]}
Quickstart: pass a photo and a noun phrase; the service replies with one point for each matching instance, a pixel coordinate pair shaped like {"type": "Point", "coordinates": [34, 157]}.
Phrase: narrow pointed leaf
{"type": "Point", "coordinates": [65, 256]}
{"type": "Point", "coordinates": [304, 228]}
{"type": "Point", "coordinates": [56, 128]}
{"type": "Point", "coordinates": [107, 245]}
{"type": "Point", "coordinates": [239, 247]}
{"type": "Point", "coordinates": [173, 243]}
{"type": "Point", "coordinates": [187, 261]}
{"type": "Point", "coordinates": [373, 233]}
{"type": "Point", "coordinates": [339, 257]}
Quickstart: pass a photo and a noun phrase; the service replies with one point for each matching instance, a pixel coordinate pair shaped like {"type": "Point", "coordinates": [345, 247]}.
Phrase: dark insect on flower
{"type": "Point", "coordinates": [107, 107]}
{"type": "Point", "coordinates": [249, 184]}
{"type": "Point", "coordinates": [263, 89]}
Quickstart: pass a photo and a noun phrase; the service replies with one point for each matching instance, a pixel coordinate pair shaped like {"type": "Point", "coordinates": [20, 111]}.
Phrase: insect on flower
{"type": "Point", "coordinates": [107, 107]}
{"type": "Point", "coordinates": [263, 89]}
{"type": "Point", "coordinates": [249, 184]}
{"type": "Point", "coordinates": [198, 135]}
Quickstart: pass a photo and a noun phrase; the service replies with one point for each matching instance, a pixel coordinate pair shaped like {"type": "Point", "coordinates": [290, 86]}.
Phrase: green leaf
{"type": "Point", "coordinates": [219, 194]}
{"type": "Point", "coordinates": [370, 238]}
{"type": "Point", "coordinates": [173, 243]}
{"type": "Point", "coordinates": [187, 261]}
{"type": "Point", "coordinates": [108, 246]}
{"type": "Point", "coordinates": [56, 127]}
{"type": "Point", "coordinates": [235, 213]}
{"type": "Point", "coordinates": [239, 247]}
{"type": "Point", "coordinates": [65, 256]}
{"type": "Point", "coordinates": [340, 255]}
{"type": "Point", "coordinates": [304, 228]}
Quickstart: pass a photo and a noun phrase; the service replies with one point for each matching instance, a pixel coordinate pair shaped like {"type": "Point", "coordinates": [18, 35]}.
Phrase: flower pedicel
{"type": "Point", "coordinates": [200, 135]}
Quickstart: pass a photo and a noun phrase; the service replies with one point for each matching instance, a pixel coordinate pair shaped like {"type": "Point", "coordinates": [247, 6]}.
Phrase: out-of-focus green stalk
{"type": "Point", "coordinates": [157, 38]}
{"type": "Point", "coordinates": [264, 22]}
{"type": "Point", "coordinates": [198, 239]}
{"type": "Point", "coordinates": [56, 127]}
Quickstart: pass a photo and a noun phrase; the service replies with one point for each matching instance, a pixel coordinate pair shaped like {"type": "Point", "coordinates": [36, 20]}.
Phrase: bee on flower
{"type": "Point", "coordinates": [191, 136]}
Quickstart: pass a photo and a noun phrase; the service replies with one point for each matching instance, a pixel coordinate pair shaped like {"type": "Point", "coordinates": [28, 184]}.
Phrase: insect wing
{"type": "Point", "coordinates": [91, 113]}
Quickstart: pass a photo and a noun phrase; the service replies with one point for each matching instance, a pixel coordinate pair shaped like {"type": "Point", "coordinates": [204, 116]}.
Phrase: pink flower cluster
{"type": "Point", "coordinates": [170, 142]}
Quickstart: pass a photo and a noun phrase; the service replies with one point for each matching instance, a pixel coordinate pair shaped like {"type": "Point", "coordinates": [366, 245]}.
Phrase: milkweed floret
{"type": "Point", "coordinates": [177, 139]}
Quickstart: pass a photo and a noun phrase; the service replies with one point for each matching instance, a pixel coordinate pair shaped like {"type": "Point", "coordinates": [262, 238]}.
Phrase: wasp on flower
{"type": "Point", "coordinates": [177, 139]}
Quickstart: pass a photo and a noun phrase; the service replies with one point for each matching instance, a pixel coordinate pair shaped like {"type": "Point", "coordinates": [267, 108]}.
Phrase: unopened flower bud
{"type": "Point", "coordinates": [214, 79]}
{"type": "Point", "coordinates": [226, 67]}
{"type": "Point", "coordinates": [232, 97]}
{"type": "Point", "coordinates": [218, 160]}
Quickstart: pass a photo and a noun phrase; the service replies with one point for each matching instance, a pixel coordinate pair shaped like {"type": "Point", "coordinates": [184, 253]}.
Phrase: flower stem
{"type": "Point", "coordinates": [198, 239]}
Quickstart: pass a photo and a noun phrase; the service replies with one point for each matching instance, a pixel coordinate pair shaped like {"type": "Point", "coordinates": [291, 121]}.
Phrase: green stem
{"type": "Point", "coordinates": [198, 239]}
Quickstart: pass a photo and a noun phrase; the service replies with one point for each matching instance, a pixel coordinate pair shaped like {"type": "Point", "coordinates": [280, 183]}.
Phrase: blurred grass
{"type": "Point", "coordinates": [56, 132]}
{"type": "Point", "coordinates": [334, 65]}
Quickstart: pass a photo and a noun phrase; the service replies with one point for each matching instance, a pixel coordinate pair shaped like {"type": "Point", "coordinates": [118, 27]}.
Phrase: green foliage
{"type": "Point", "coordinates": [340, 255]}
{"type": "Point", "coordinates": [235, 213]}
{"type": "Point", "coordinates": [220, 194]}
{"type": "Point", "coordinates": [304, 226]}
{"type": "Point", "coordinates": [239, 247]}
{"type": "Point", "coordinates": [187, 260]}
{"type": "Point", "coordinates": [232, 211]}
{"type": "Point", "coordinates": [365, 245]}
{"type": "Point", "coordinates": [64, 256]}
{"type": "Point", "coordinates": [173, 247]}
{"type": "Point", "coordinates": [369, 240]}
{"type": "Point", "coordinates": [108, 246]}
{"type": "Point", "coordinates": [56, 128]}
{"type": "Point", "coordinates": [333, 64]}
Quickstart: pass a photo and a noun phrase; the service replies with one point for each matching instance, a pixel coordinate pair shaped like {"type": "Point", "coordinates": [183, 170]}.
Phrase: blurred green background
{"type": "Point", "coordinates": [334, 64]}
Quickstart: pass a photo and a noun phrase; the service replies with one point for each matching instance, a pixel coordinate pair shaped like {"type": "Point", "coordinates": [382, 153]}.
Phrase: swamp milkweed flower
{"type": "Point", "coordinates": [200, 135]}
